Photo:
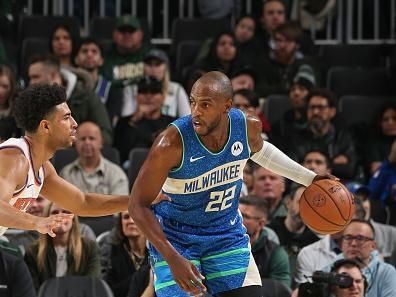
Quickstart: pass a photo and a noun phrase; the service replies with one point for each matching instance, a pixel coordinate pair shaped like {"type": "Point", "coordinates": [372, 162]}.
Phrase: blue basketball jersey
{"type": "Point", "coordinates": [206, 187]}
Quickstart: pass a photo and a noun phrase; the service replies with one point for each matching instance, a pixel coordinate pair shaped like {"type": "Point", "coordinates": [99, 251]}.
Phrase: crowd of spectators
{"type": "Point", "coordinates": [124, 94]}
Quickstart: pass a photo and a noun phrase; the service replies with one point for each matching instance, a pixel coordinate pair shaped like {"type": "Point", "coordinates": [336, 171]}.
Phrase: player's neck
{"type": "Point", "coordinates": [216, 139]}
{"type": "Point", "coordinates": [39, 150]}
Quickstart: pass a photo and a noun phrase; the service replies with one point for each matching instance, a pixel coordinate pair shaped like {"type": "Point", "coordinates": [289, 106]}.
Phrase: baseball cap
{"type": "Point", "coordinates": [158, 54]}
{"type": "Point", "coordinates": [127, 21]}
{"type": "Point", "coordinates": [149, 84]}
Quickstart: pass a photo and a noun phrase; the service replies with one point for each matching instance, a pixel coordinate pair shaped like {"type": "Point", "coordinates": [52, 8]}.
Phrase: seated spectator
{"type": "Point", "coordinates": [83, 103]}
{"type": "Point", "coordinates": [176, 103]}
{"type": "Point", "coordinates": [24, 238]}
{"type": "Point", "coordinates": [68, 253]}
{"type": "Point", "coordinates": [292, 232]}
{"type": "Point", "coordinates": [318, 161]}
{"type": "Point", "coordinates": [321, 134]}
{"type": "Point", "coordinates": [15, 279]}
{"type": "Point", "coordinates": [247, 101]}
{"type": "Point", "coordinates": [359, 284]}
{"type": "Point", "coordinates": [277, 69]}
{"type": "Point", "coordinates": [123, 253]}
{"type": "Point", "coordinates": [243, 78]}
{"type": "Point", "coordinates": [382, 137]}
{"type": "Point", "coordinates": [124, 62]}
{"type": "Point", "coordinates": [271, 259]}
{"type": "Point", "coordinates": [62, 45]}
{"type": "Point", "coordinates": [91, 172]}
{"type": "Point", "coordinates": [8, 90]}
{"type": "Point", "coordinates": [382, 184]}
{"type": "Point", "coordinates": [358, 243]}
{"type": "Point", "coordinates": [294, 119]}
{"type": "Point", "coordinates": [140, 128]}
{"type": "Point", "coordinates": [270, 186]}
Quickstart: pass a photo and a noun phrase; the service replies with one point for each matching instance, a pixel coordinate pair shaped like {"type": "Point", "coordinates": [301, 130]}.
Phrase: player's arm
{"type": "Point", "coordinates": [270, 157]}
{"type": "Point", "coordinates": [71, 198]}
{"type": "Point", "coordinates": [165, 154]}
{"type": "Point", "coordinates": [14, 169]}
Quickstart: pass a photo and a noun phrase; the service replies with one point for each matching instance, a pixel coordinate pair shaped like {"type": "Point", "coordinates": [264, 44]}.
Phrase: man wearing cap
{"type": "Point", "coordinates": [124, 62]}
{"type": "Point", "coordinates": [141, 128]}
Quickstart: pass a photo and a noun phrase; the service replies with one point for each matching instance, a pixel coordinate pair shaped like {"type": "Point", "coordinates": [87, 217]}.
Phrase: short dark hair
{"type": "Point", "coordinates": [259, 203]}
{"type": "Point", "coordinates": [291, 30]}
{"type": "Point", "coordinates": [321, 152]}
{"type": "Point", "coordinates": [49, 60]}
{"type": "Point", "coordinates": [249, 95]}
{"type": "Point", "coordinates": [362, 221]}
{"type": "Point", "coordinates": [325, 93]}
{"type": "Point", "coordinates": [344, 263]}
{"type": "Point", "coordinates": [35, 103]}
{"type": "Point", "coordinates": [89, 40]}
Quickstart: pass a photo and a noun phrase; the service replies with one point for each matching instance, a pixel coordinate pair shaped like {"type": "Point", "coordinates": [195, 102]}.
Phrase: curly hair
{"type": "Point", "coordinates": [35, 103]}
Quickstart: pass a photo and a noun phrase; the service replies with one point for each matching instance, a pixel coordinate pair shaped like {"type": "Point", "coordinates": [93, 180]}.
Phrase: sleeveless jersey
{"type": "Point", "coordinates": [206, 187]}
{"type": "Point", "coordinates": [22, 197]}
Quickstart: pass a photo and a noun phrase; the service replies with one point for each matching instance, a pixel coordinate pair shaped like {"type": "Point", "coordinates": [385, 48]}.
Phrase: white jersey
{"type": "Point", "coordinates": [22, 197]}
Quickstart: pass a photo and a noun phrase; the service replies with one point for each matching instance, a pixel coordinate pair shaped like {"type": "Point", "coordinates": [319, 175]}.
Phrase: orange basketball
{"type": "Point", "coordinates": [326, 206]}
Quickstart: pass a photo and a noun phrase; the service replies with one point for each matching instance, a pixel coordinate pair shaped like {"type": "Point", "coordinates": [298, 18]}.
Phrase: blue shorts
{"type": "Point", "coordinates": [224, 259]}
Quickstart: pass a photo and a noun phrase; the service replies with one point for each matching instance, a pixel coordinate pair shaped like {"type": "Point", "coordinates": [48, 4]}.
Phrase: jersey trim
{"type": "Point", "coordinates": [182, 159]}
{"type": "Point", "coordinates": [247, 133]}
{"type": "Point", "coordinates": [36, 179]}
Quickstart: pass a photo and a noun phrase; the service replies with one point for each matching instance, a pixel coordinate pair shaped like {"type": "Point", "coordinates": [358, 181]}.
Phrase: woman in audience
{"type": "Point", "coordinates": [176, 103]}
{"type": "Point", "coordinates": [123, 253]}
{"type": "Point", "coordinates": [65, 254]}
{"type": "Point", "coordinates": [63, 44]}
{"type": "Point", "coordinates": [8, 91]}
{"type": "Point", "coordinates": [384, 134]}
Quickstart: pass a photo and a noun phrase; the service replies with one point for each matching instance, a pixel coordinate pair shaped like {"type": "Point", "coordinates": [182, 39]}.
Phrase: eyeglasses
{"type": "Point", "coordinates": [360, 239]}
{"type": "Point", "coordinates": [318, 107]}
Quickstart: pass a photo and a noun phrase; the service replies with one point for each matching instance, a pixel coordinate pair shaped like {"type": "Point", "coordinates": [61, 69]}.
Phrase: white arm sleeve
{"type": "Point", "coordinates": [271, 158]}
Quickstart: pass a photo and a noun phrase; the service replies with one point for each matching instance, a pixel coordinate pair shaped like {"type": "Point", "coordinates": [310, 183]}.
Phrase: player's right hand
{"type": "Point", "coordinates": [46, 225]}
{"type": "Point", "coordinates": [187, 276]}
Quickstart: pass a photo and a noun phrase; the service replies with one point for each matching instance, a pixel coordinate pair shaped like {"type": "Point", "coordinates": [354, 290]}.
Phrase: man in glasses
{"type": "Point", "coordinates": [358, 243]}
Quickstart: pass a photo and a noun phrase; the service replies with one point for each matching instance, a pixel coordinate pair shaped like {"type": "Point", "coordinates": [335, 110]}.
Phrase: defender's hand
{"type": "Point", "coordinates": [46, 225]}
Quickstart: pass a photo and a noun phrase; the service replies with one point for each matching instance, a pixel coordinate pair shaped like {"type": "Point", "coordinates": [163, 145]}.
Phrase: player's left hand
{"type": "Point", "coordinates": [325, 176]}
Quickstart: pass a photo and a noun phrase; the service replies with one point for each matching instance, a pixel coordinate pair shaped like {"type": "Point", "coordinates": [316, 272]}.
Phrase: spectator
{"type": "Point", "coordinates": [25, 238]}
{"type": "Point", "coordinates": [359, 284]}
{"type": "Point", "coordinates": [271, 259]}
{"type": "Point", "coordinates": [90, 58]}
{"type": "Point", "coordinates": [382, 186]}
{"type": "Point", "coordinates": [124, 62]}
{"type": "Point", "coordinates": [15, 279]}
{"type": "Point", "coordinates": [292, 232]}
{"type": "Point", "coordinates": [140, 128]}
{"type": "Point", "coordinates": [63, 45]}
{"type": "Point", "coordinates": [248, 101]}
{"type": "Point", "coordinates": [247, 178]}
{"type": "Point", "coordinates": [294, 119]}
{"type": "Point", "coordinates": [91, 172]}
{"type": "Point", "coordinates": [317, 161]}
{"type": "Point", "coordinates": [243, 78]}
{"type": "Point", "coordinates": [84, 104]}
{"type": "Point", "coordinates": [278, 68]}
{"type": "Point", "coordinates": [157, 64]}
{"type": "Point", "coordinates": [66, 254]}
{"type": "Point", "coordinates": [8, 90]}
{"type": "Point", "coordinates": [383, 135]}
{"type": "Point", "coordinates": [358, 243]}
{"type": "Point", "coordinates": [270, 186]}
{"type": "Point", "coordinates": [321, 134]}
{"type": "Point", "coordinates": [123, 254]}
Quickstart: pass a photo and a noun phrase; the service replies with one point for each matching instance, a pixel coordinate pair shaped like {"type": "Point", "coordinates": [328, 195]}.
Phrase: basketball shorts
{"type": "Point", "coordinates": [223, 258]}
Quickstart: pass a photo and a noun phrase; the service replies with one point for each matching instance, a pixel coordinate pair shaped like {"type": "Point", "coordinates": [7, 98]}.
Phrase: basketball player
{"type": "Point", "coordinates": [197, 237]}
{"type": "Point", "coordinates": [42, 111]}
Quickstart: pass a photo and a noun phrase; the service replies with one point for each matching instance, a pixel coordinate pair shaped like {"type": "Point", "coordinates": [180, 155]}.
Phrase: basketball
{"type": "Point", "coordinates": [326, 206]}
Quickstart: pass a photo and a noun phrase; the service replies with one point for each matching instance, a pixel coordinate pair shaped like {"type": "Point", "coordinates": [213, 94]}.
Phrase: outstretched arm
{"type": "Point", "coordinates": [165, 154]}
{"type": "Point", "coordinates": [71, 198]}
{"type": "Point", "coordinates": [270, 157]}
{"type": "Point", "coordinates": [14, 169]}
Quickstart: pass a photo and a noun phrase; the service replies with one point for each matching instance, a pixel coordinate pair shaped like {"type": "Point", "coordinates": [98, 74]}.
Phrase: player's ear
{"type": "Point", "coordinates": [228, 105]}
{"type": "Point", "coordinates": [44, 125]}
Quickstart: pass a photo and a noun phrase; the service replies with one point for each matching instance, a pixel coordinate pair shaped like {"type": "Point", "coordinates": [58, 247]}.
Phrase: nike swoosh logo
{"type": "Point", "coordinates": [232, 222]}
{"type": "Point", "coordinates": [192, 159]}
{"type": "Point", "coordinates": [29, 186]}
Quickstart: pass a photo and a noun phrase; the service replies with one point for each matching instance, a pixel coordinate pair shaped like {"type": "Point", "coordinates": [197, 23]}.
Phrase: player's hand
{"type": "Point", "coordinates": [187, 276]}
{"type": "Point", "coordinates": [325, 176]}
{"type": "Point", "coordinates": [161, 197]}
{"type": "Point", "coordinates": [46, 225]}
